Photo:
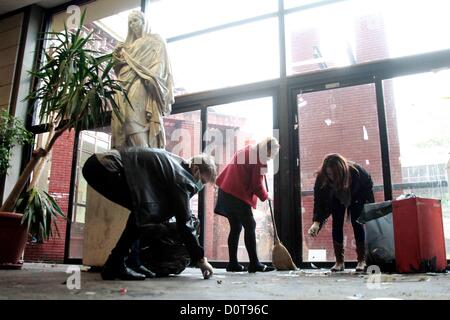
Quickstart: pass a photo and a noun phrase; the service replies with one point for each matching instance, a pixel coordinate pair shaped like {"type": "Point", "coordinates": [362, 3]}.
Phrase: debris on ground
{"type": "Point", "coordinates": [356, 296]}
{"type": "Point", "coordinates": [123, 291]}
{"type": "Point", "coordinates": [219, 281]}
{"type": "Point", "coordinates": [387, 278]}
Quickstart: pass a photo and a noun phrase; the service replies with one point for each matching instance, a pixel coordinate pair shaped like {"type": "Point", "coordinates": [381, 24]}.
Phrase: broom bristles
{"type": "Point", "coordinates": [281, 258]}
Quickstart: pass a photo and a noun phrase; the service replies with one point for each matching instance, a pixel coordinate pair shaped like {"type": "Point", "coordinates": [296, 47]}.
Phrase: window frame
{"type": "Point", "coordinates": [283, 91]}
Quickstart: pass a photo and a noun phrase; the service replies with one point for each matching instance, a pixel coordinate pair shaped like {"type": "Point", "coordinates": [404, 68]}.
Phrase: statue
{"type": "Point", "coordinates": [144, 67]}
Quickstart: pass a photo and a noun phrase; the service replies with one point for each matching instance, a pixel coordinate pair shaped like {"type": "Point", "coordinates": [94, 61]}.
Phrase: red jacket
{"type": "Point", "coordinates": [242, 179]}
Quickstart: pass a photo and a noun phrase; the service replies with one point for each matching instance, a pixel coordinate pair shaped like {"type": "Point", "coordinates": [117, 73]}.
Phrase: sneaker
{"type": "Point", "coordinates": [338, 267]}
{"type": "Point", "coordinates": [361, 266]}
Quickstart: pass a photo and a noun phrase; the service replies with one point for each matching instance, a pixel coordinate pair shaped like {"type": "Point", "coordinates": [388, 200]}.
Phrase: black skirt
{"type": "Point", "coordinates": [228, 205]}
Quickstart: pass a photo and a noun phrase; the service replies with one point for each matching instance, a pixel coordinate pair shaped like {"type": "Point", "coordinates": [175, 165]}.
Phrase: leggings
{"type": "Point", "coordinates": [338, 214]}
{"type": "Point", "coordinates": [238, 218]}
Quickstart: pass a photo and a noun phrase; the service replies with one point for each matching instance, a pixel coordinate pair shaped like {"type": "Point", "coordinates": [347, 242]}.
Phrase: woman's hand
{"type": "Point", "coordinates": [314, 230]}
{"type": "Point", "coordinates": [206, 268]}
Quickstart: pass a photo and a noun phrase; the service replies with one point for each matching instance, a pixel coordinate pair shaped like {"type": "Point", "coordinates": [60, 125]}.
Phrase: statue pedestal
{"type": "Point", "coordinates": [104, 224]}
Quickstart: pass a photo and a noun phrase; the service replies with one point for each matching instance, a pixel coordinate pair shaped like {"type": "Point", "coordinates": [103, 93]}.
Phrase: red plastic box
{"type": "Point", "coordinates": [419, 235]}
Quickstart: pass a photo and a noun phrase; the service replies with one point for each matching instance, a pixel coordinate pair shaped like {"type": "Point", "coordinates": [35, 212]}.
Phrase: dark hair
{"type": "Point", "coordinates": [341, 171]}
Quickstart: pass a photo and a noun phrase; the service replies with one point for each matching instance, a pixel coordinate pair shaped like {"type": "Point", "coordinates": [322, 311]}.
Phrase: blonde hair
{"type": "Point", "coordinates": [206, 165]}
{"type": "Point", "coordinates": [270, 144]}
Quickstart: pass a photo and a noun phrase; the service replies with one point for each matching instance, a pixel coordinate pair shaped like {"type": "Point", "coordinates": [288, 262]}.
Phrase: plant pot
{"type": "Point", "coordinates": [13, 239]}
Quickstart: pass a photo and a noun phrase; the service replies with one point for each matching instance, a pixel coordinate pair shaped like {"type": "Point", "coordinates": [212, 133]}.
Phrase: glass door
{"type": "Point", "coordinates": [231, 127]}
{"type": "Point", "coordinates": [341, 120]}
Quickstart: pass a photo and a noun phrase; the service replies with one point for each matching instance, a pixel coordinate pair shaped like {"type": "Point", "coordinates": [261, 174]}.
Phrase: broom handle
{"type": "Point", "coordinates": [271, 214]}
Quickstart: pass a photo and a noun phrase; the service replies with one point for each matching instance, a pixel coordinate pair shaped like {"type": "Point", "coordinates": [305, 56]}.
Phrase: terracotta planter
{"type": "Point", "coordinates": [13, 239]}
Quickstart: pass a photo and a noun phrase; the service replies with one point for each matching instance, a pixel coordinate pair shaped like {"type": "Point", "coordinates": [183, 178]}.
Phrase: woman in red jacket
{"type": "Point", "coordinates": [240, 185]}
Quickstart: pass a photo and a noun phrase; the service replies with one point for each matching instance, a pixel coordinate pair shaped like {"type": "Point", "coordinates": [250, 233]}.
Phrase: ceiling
{"type": "Point", "coordinates": [11, 5]}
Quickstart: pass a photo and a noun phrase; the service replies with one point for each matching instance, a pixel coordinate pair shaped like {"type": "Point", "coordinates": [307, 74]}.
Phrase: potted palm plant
{"type": "Point", "coordinates": [76, 91]}
{"type": "Point", "coordinates": [12, 132]}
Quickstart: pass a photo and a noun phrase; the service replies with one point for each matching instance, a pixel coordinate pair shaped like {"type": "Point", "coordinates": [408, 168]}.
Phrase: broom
{"type": "Point", "coordinates": [281, 259]}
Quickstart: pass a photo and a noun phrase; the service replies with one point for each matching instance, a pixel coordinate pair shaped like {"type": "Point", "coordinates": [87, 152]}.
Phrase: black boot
{"type": "Point", "coordinates": [116, 269]}
{"type": "Point", "coordinates": [133, 261]}
{"type": "Point", "coordinates": [143, 270]}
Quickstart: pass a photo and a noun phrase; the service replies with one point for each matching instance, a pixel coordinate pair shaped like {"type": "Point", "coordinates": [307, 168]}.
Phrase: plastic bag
{"type": "Point", "coordinates": [162, 249]}
{"type": "Point", "coordinates": [379, 230]}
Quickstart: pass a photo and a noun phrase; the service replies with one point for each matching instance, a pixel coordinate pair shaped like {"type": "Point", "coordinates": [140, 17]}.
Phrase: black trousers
{"type": "Point", "coordinates": [114, 187]}
{"type": "Point", "coordinates": [338, 214]}
{"type": "Point", "coordinates": [239, 215]}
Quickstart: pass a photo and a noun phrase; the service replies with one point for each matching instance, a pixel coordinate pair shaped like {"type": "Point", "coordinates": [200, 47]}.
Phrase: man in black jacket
{"type": "Point", "coordinates": [154, 185]}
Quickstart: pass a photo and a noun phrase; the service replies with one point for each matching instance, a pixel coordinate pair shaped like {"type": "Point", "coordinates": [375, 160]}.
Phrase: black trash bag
{"type": "Point", "coordinates": [374, 211]}
{"type": "Point", "coordinates": [379, 230]}
{"type": "Point", "coordinates": [162, 249]}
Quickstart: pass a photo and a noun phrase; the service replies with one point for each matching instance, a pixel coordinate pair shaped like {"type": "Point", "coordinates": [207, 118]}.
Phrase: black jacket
{"type": "Point", "coordinates": [324, 198]}
{"type": "Point", "coordinates": [161, 187]}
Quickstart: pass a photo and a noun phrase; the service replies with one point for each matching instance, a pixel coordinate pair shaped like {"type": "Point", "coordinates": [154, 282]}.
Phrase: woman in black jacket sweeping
{"type": "Point", "coordinates": [341, 185]}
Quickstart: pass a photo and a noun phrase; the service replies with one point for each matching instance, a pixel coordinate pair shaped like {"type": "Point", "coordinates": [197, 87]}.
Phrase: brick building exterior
{"type": "Point", "coordinates": [59, 188]}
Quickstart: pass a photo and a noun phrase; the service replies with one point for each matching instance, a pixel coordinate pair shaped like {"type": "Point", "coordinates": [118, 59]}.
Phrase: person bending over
{"type": "Point", "coordinates": [155, 186]}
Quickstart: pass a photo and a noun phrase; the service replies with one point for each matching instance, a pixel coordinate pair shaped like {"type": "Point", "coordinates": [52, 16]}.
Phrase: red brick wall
{"type": "Point", "coordinates": [348, 111]}
{"type": "Point", "coordinates": [59, 186]}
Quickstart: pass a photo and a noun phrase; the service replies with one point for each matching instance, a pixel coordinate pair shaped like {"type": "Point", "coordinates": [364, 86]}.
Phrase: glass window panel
{"type": "Point", "coordinates": [102, 146]}
{"type": "Point", "coordinates": [90, 142]}
{"type": "Point", "coordinates": [42, 183]}
{"type": "Point", "coordinates": [103, 136]}
{"type": "Point", "coordinates": [77, 233]}
{"type": "Point", "coordinates": [183, 133]}
{"type": "Point", "coordinates": [81, 190]}
{"type": "Point", "coordinates": [183, 138]}
{"type": "Point", "coordinates": [298, 3]}
{"type": "Point", "coordinates": [194, 15]}
{"type": "Point", "coordinates": [341, 121]}
{"type": "Point", "coordinates": [108, 12]}
{"type": "Point", "coordinates": [230, 128]}
{"type": "Point", "coordinates": [80, 214]}
{"type": "Point", "coordinates": [106, 19]}
{"type": "Point", "coordinates": [226, 58]}
{"type": "Point", "coordinates": [419, 137]}
{"type": "Point", "coordinates": [358, 31]}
